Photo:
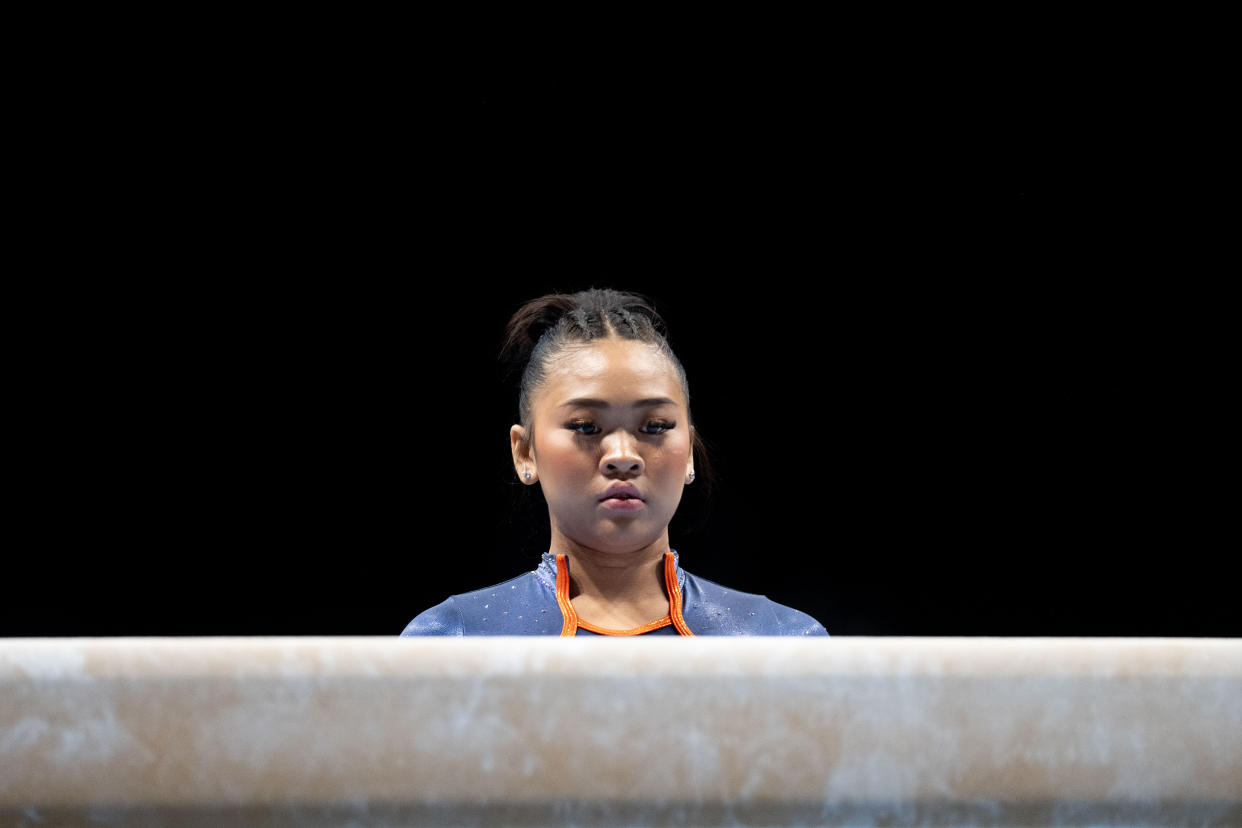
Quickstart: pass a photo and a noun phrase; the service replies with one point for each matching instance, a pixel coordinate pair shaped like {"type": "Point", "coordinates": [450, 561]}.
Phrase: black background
{"type": "Point", "coordinates": [259, 386]}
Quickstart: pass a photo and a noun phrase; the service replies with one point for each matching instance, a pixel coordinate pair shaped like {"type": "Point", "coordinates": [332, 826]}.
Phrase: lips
{"type": "Point", "coordinates": [622, 492]}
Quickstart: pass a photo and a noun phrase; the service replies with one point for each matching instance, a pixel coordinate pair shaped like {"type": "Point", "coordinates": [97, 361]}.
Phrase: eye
{"type": "Point", "coordinates": [583, 427]}
{"type": "Point", "coordinates": [658, 426]}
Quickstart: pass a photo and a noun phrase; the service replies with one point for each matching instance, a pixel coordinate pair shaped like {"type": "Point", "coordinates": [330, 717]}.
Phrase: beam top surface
{"type": "Point", "coordinates": [844, 656]}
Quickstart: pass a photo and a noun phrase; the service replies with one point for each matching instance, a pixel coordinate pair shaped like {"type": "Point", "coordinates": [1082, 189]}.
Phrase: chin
{"type": "Point", "coordinates": [623, 541]}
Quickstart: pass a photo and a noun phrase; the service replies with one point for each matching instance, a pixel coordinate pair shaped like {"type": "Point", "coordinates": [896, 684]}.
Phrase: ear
{"type": "Point", "coordinates": [690, 460]}
{"type": "Point", "coordinates": [523, 454]}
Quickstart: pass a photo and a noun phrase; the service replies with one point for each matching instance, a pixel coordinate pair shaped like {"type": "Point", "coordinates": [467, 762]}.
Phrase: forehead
{"type": "Point", "coordinates": [611, 369]}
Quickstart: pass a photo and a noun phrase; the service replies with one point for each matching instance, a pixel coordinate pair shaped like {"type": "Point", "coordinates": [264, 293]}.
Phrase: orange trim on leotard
{"type": "Point", "coordinates": [674, 595]}
{"type": "Point", "coordinates": [570, 627]}
{"type": "Point", "coordinates": [572, 622]}
{"type": "Point", "coordinates": [645, 628]}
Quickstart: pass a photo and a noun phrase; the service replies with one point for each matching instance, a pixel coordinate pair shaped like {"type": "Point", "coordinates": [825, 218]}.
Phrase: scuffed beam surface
{"type": "Point", "coordinates": [704, 731]}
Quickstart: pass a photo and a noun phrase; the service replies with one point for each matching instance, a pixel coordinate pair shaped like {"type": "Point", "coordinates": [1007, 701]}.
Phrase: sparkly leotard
{"type": "Point", "coordinates": [537, 603]}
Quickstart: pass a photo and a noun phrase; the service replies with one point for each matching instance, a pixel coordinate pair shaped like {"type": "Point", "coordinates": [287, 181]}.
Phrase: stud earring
{"type": "Point", "coordinates": [690, 477]}
{"type": "Point", "coordinates": [526, 475]}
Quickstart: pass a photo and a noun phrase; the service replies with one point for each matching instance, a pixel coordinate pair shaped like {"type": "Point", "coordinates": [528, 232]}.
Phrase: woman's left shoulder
{"type": "Point", "coordinates": [721, 610]}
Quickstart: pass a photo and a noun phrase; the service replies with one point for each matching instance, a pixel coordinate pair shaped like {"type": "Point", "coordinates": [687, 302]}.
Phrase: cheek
{"type": "Point", "coordinates": [675, 454]}
{"type": "Point", "coordinates": [563, 458]}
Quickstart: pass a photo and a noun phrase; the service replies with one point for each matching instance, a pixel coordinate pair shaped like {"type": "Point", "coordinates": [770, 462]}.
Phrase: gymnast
{"type": "Point", "coordinates": [605, 431]}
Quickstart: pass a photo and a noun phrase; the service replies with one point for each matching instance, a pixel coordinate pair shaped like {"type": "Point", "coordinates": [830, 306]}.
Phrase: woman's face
{"type": "Point", "coordinates": [610, 418]}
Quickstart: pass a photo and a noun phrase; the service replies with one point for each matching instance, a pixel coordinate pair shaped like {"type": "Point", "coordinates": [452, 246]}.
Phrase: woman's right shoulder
{"type": "Point", "coordinates": [492, 610]}
{"type": "Point", "coordinates": [442, 619]}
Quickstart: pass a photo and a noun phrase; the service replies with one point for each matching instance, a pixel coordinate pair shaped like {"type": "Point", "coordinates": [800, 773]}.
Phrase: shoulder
{"type": "Point", "coordinates": [713, 609]}
{"type": "Point", "coordinates": [523, 605]}
{"type": "Point", "coordinates": [442, 619]}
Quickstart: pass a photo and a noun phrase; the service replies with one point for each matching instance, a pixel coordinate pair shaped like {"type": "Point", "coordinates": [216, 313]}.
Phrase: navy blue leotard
{"type": "Point", "coordinates": [537, 603]}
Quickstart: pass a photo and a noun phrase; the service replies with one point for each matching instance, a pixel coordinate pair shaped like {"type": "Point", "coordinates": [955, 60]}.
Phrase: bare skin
{"type": "Point", "coordinates": [611, 413]}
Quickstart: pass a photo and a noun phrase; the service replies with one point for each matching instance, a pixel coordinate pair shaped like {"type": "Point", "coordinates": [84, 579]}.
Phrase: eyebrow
{"type": "Point", "coordinates": [589, 402]}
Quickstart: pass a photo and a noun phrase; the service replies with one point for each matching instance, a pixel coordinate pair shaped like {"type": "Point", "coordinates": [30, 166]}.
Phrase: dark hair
{"type": "Point", "coordinates": [543, 327]}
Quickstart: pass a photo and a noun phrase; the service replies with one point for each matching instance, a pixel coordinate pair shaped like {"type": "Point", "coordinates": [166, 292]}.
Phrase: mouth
{"type": "Point", "coordinates": [621, 491]}
{"type": "Point", "coordinates": [622, 497]}
{"type": "Point", "coordinates": [623, 503]}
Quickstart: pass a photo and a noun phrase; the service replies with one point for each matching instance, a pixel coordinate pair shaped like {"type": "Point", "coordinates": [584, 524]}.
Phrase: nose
{"type": "Point", "coordinates": [621, 457]}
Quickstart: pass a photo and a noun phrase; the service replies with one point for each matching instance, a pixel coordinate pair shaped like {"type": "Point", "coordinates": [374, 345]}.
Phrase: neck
{"type": "Point", "coordinates": [632, 578]}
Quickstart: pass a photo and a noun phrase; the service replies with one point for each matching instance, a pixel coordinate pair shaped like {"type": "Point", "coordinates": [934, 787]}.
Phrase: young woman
{"type": "Point", "coordinates": [606, 432]}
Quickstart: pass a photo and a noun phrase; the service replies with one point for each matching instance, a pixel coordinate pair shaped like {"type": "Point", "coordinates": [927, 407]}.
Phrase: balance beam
{"type": "Point", "coordinates": [615, 731]}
